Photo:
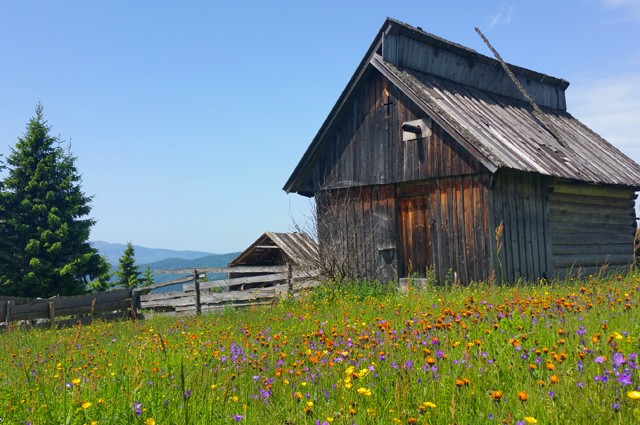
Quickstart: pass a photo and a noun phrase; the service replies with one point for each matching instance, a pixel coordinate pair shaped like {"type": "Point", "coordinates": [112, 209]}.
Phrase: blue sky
{"type": "Point", "coordinates": [188, 117]}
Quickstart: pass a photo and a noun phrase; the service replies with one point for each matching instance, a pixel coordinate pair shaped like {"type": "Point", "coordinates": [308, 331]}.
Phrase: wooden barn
{"type": "Point", "coordinates": [432, 161]}
{"type": "Point", "coordinates": [277, 249]}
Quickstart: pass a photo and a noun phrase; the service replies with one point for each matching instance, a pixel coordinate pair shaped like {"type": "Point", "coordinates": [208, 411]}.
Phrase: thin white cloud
{"type": "Point", "coordinates": [630, 7]}
{"type": "Point", "coordinates": [611, 107]}
{"type": "Point", "coordinates": [503, 17]}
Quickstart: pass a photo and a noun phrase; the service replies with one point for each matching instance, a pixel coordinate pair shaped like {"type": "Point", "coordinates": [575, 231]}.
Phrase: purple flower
{"type": "Point", "coordinates": [187, 394]}
{"type": "Point", "coordinates": [581, 331]}
{"type": "Point", "coordinates": [601, 378]}
{"type": "Point", "coordinates": [552, 394]}
{"type": "Point", "coordinates": [580, 385]}
{"type": "Point", "coordinates": [137, 407]}
{"type": "Point", "coordinates": [618, 360]}
{"type": "Point", "coordinates": [624, 379]}
{"type": "Point", "coordinates": [600, 359]}
{"type": "Point", "coordinates": [238, 418]}
{"type": "Point", "coordinates": [408, 365]}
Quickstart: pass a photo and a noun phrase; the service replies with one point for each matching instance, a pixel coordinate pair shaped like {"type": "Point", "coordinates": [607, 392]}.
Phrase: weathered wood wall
{"type": "Point", "coordinates": [463, 66]}
{"type": "Point", "coordinates": [518, 201]}
{"type": "Point", "coordinates": [444, 224]}
{"type": "Point", "coordinates": [366, 146]}
{"type": "Point", "coordinates": [591, 227]}
{"type": "Point", "coordinates": [357, 230]}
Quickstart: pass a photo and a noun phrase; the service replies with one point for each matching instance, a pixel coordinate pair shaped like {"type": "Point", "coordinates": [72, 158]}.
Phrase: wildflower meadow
{"type": "Point", "coordinates": [350, 353]}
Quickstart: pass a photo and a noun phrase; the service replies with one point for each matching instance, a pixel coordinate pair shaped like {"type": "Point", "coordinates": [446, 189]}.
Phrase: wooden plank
{"type": "Point", "coordinates": [561, 207]}
{"type": "Point", "coordinates": [588, 260]}
{"type": "Point", "coordinates": [239, 269]}
{"type": "Point", "coordinates": [16, 300]}
{"type": "Point", "coordinates": [89, 299]}
{"type": "Point", "coordinates": [558, 216]}
{"type": "Point", "coordinates": [591, 228]}
{"type": "Point", "coordinates": [571, 238]}
{"type": "Point", "coordinates": [562, 198]}
{"type": "Point", "coordinates": [602, 191]}
{"type": "Point", "coordinates": [593, 249]}
{"type": "Point", "coordinates": [123, 304]}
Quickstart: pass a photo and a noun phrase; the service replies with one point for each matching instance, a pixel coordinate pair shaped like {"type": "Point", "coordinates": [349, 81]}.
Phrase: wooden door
{"type": "Point", "coordinates": [416, 229]}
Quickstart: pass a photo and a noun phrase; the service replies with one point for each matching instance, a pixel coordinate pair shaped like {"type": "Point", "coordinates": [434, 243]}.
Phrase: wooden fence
{"type": "Point", "coordinates": [264, 285]}
{"type": "Point", "coordinates": [91, 305]}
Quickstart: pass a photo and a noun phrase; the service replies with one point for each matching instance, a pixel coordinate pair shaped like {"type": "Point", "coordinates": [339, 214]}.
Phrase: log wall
{"type": "Point", "coordinates": [591, 227]}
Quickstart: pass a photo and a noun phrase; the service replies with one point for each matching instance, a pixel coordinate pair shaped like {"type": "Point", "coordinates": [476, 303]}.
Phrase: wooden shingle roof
{"type": "Point", "coordinates": [276, 248]}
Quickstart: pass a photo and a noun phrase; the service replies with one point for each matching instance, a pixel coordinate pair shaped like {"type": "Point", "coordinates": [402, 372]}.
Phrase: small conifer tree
{"type": "Point", "coordinates": [128, 273]}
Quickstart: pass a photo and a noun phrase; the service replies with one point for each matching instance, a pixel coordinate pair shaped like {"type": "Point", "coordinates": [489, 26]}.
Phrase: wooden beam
{"type": "Point", "coordinates": [240, 269]}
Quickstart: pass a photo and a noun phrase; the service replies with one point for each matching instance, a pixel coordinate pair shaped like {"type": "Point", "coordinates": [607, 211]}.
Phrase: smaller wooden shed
{"type": "Point", "coordinates": [277, 249]}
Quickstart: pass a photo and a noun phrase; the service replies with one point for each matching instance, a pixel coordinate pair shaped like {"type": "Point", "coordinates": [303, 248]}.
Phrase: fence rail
{"type": "Point", "coordinates": [271, 283]}
{"type": "Point", "coordinates": [14, 309]}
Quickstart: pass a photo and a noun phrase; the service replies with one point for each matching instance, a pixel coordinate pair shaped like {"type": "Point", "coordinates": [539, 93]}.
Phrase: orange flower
{"type": "Point", "coordinates": [496, 395]}
{"type": "Point", "coordinates": [554, 379]}
{"type": "Point", "coordinates": [522, 396]}
{"type": "Point", "coordinates": [550, 365]}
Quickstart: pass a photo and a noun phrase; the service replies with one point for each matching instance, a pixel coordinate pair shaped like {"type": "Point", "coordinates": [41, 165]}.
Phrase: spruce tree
{"type": "Point", "coordinates": [128, 273]}
{"type": "Point", "coordinates": [147, 277]}
{"type": "Point", "coordinates": [44, 223]}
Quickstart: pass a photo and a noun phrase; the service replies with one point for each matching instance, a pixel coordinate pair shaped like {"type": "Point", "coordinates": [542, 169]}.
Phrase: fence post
{"type": "Point", "coordinates": [290, 278]}
{"type": "Point", "coordinates": [52, 314]}
{"type": "Point", "coordinates": [196, 284]}
{"type": "Point", "coordinates": [7, 316]}
{"type": "Point", "coordinates": [135, 301]}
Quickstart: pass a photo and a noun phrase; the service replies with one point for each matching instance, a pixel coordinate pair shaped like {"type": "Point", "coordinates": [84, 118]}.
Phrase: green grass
{"type": "Point", "coordinates": [347, 353]}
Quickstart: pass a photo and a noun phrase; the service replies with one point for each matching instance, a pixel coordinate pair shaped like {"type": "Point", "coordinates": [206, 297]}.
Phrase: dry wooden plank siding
{"type": "Point", "coordinates": [591, 227]}
{"type": "Point", "coordinates": [366, 146]}
{"type": "Point", "coordinates": [519, 201]}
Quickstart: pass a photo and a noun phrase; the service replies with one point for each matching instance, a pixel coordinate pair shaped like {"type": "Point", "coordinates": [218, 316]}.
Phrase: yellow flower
{"type": "Point", "coordinates": [634, 395]}
{"type": "Point", "coordinates": [429, 405]}
{"type": "Point", "coordinates": [86, 404]}
{"type": "Point", "coordinates": [101, 401]}
{"type": "Point", "coordinates": [364, 391]}
{"type": "Point", "coordinates": [530, 420]}
{"type": "Point", "coordinates": [150, 421]}
{"type": "Point", "coordinates": [309, 404]}
{"type": "Point", "coordinates": [76, 381]}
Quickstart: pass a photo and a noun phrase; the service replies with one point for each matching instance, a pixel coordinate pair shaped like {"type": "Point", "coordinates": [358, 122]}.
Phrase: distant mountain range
{"type": "Point", "coordinates": [144, 255]}
{"type": "Point", "coordinates": [164, 259]}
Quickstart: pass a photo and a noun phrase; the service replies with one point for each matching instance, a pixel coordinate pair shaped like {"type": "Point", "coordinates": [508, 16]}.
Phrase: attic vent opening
{"type": "Point", "coordinates": [416, 129]}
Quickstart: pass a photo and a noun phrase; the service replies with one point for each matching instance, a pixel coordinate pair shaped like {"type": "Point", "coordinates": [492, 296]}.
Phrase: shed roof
{"type": "Point", "coordinates": [270, 248]}
{"type": "Point", "coordinates": [494, 126]}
